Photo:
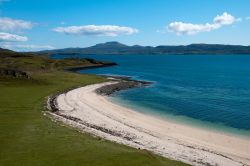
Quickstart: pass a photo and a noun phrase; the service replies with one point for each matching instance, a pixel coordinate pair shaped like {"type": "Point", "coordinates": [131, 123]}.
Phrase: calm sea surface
{"type": "Point", "coordinates": [210, 91]}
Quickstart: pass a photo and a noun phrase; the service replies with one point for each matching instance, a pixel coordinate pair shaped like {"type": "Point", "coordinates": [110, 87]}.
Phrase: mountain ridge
{"type": "Point", "coordinates": [115, 47]}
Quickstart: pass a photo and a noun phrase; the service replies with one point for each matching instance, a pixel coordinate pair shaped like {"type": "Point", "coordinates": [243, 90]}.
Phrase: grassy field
{"type": "Point", "coordinates": [28, 138]}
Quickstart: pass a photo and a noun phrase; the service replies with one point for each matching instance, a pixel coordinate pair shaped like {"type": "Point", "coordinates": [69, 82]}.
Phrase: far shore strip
{"type": "Point", "coordinates": [84, 109]}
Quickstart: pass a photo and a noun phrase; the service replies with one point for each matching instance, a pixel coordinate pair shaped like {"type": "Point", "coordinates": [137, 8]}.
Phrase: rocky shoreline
{"type": "Point", "coordinates": [88, 112]}
{"type": "Point", "coordinates": [123, 83]}
{"type": "Point", "coordinates": [96, 64]}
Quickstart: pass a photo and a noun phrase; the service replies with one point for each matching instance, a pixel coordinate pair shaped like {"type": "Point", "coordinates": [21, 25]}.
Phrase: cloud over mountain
{"type": "Point", "coordinates": [26, 47]}
{"type": "Point", "coordinates": [7, 37]}
{"type": "Point", "coordinates": [96, 30]}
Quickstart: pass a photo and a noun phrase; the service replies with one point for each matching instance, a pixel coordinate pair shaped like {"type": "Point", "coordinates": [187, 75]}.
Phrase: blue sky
{"type": "Point", "coordinates": [46, 24]}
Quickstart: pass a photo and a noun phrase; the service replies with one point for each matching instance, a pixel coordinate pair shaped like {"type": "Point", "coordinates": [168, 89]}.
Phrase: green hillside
{"type": "Point", "coordinates": [29, 138]}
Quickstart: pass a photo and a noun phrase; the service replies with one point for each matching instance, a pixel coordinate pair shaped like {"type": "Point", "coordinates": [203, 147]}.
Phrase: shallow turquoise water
{"type": "Point", "coordinates": [211, 91]}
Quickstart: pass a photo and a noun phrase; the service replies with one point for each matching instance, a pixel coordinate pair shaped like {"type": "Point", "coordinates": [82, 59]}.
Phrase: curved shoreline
{"type": "Point", "coordinates": [84, 109]}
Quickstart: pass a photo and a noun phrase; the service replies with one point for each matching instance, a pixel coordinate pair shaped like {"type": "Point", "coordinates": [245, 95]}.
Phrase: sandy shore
{"type": "Point", "coordinates": [84, 109]}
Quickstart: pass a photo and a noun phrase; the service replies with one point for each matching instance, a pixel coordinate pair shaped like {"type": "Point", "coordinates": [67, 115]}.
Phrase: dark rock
{"type": "Point", "coordinates": [96, 64]}
{"type": "Point", "coordinates": [13, 73]}
{"type": "Point", "coordinates": [122, 84]}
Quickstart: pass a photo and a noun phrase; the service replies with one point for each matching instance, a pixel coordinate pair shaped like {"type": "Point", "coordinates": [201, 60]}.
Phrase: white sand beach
{"type": "Point", "coordinates": [93, 113]}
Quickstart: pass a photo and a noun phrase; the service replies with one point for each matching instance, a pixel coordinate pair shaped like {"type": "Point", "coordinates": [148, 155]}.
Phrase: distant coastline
{"type": "Point", "coordinates": [116, 48]}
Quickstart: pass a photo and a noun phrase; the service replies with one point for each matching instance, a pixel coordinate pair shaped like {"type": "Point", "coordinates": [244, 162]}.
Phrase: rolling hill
{"type": "Point", "coordinates": [119, 48]}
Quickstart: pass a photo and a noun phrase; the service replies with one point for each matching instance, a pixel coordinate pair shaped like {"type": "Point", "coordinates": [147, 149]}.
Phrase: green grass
{"type": "Point", "coordinates": [28, 138]}
{"type": "Point", "coordinates": [32, 63]}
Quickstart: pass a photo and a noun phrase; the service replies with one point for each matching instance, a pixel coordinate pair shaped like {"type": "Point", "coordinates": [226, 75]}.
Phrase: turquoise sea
{"type": "Point", "coordinates": [208, 91]}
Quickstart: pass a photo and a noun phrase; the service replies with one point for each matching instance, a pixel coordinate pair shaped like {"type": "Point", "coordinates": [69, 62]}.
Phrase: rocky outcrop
{"type": "Point", "coordinates": [95, 64]}
{"type": "Point", "coordinates": [123, 84]}
{"type": "Point", "coordinates": [13, 73]}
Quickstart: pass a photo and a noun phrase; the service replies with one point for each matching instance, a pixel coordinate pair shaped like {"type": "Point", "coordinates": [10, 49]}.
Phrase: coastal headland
{"type": "Point", "coordinates": [30, 138]}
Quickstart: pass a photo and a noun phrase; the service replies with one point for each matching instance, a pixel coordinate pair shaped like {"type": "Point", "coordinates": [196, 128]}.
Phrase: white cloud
{"type": "Point", "coordinates": [7, 37]}
{"type": "Point", "coordinates": [224, 19]}
{"type": "Point", "coordinates": [32, 46]}
{"type": "Point", "coordinates": [26, 47]}
{"type": "Point", "coordinates": [182, 28]}
{"type": "Point", "coordinates": [96, 30]}
{"type": "Point", "coordinates": [10, 25]}
{"type": "Point", "coordinates": [247, 18]}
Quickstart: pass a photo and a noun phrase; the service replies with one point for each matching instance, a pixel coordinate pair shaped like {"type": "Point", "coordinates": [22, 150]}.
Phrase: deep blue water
{"type": "Point", "coordinates": [208, 90]}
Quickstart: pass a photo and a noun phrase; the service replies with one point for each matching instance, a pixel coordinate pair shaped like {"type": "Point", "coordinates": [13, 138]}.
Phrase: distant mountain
{"type": "Point", "coordinates": [119, 48]}
{"type": "Point", "coordinates": [9, 53]}
{"type": "Point", "coordinates": [2, 50]}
